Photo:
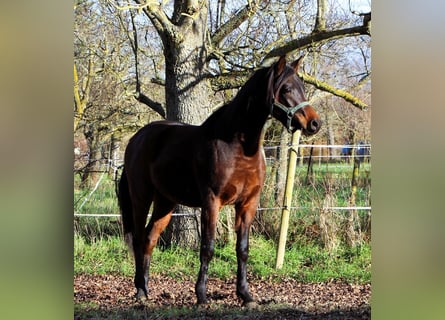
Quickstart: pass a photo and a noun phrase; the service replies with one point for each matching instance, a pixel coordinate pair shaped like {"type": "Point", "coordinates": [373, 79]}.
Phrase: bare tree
{"type": "Point", "coordinates": [103, 111]}
{"type": "Point", "coordinates": [213, 46]}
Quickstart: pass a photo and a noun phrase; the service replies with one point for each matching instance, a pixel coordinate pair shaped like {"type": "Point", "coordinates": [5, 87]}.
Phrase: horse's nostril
{"type": "Point", "coordinates": [314, 125]}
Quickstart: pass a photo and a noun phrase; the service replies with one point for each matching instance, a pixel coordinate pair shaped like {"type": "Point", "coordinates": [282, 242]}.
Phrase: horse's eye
{"type": "Point", "coordinates": [286, 89]}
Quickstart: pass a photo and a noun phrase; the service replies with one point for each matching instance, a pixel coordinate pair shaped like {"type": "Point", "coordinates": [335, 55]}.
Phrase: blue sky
{"type": "Point", "coordinates": [356, 5]}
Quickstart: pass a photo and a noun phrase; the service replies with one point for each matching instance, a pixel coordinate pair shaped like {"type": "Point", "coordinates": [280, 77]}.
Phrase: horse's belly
{"type": "Point", "coordinates": [176, 184]}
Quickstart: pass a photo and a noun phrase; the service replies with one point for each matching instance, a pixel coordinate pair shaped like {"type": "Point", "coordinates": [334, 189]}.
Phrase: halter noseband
{"type": "Point", "coordinates": [288, 111]}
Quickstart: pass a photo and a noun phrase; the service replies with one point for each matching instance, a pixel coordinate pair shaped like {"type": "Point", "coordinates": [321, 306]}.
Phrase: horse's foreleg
{"type": "Point", "coordinates": [244, 218]}
{"type": "Point", "coordinates": [209, 218]}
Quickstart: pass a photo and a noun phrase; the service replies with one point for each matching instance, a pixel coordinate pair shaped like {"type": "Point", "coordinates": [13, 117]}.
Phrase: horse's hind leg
{"type": "Point", "coordinates": [140, 211]}
{"type": "Point", "coordinates": [162, 211]}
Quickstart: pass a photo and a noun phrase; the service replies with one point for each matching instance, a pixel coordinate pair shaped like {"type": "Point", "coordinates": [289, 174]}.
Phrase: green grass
{"type": "Point", "coordinates": [335, 175]}
{"type": "Point", "coordinates": [308, 263]}
{"type": "Point", "coordinates": [101, 256]}
{"type": "Point", "coordinates": [100, 201]}
{"type": "Point", "coordinates": [99, 249]}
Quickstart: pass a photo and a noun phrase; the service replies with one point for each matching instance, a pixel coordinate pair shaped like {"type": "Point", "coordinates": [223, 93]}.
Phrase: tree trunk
{"type": "Point", "coordinates": [186, 89]}
{"type": "Point", "coordinates": [353, 229]}
{"type": "Point", "coordinates": [90, 174]}
{"type": "Point", "coordinates": [183, 229]}
{"type": "Point", "coordinates": [187, 100]}
{"type": "Point", "coordinates": [113, 158]}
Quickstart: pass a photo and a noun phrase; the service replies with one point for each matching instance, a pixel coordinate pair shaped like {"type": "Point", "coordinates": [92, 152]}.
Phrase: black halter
{"type": "Point", "coordinates": [288, 111]}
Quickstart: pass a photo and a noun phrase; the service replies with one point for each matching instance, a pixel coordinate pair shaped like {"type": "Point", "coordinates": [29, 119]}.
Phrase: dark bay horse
{"type": "Point", "coordinates": [218, 163]}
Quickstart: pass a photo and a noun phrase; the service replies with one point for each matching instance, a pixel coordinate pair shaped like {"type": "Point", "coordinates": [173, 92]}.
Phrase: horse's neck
{"type": "Point", "coordinates": [244, 118]}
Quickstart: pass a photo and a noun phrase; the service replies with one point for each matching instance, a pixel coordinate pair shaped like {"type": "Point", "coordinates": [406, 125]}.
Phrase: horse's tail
{"type": "Point", "coordinates": [123, 195]}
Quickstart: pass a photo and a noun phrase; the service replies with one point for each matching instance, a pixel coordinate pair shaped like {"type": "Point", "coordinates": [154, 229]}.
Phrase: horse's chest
{"type": "Point", "coordinates": [241, 181]}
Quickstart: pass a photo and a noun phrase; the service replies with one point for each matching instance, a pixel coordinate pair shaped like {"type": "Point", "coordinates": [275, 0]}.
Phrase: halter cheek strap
{"type": "Point", "coordinates": [288, 111]}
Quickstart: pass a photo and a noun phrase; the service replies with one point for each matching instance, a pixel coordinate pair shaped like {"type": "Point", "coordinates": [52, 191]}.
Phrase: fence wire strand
{"type": "Point", "coordinates": [116, 164]}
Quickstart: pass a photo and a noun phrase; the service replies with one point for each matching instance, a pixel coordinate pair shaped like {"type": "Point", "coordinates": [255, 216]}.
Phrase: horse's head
{"type": "Point", "coordinates": [287, 98]}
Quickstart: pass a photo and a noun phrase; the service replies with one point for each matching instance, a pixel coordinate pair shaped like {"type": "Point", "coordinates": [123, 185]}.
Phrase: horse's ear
{"type": "Point", "coordinates": [296, 64]}
{"type": "Point", "coordinates": [279, 66]}
{"type": "Point", "coordinates": [273, 74]}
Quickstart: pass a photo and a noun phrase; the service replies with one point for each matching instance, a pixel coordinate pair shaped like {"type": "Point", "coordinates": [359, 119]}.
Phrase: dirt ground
{"type": "Point", "coordinates": [112, 297]}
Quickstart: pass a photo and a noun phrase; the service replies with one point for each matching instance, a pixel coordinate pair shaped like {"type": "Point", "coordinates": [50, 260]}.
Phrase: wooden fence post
{"type": "Point", "coordinates": [287, 201]}
{"type": "Point", "coordinates": [353, 237]}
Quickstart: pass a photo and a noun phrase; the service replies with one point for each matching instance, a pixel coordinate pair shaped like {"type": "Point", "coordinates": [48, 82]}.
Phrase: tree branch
{"type": "Point", "coordinates": [232, 80]}
{"type": "Point", "coordinates": [314, 38]}
{"type": "Point", "coordinates": [81, 102]}
{"type": "Point", "coordinates": [336, 92]}
{"type": "Point", "coordinates": [156, 106]}
{"type": "Point", "coordinates": [235, 80]}
{"type": "Point", "coordinates": [320, 21]}
{"type": "Point", "coordinates": [234, 22]}
{"type": "Point", "coordinates": [77, 100]}
{"type": "Point", "coordinates": [138, 95]}
{"type": "Point", "coordinates": [153, 10]}
{"type": "Point", "coordinates": [135, 47]}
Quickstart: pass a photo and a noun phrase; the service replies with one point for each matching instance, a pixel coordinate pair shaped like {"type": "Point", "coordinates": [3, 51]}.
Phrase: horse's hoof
{"type": "Point", "coordinates": [250, 305]}
{"type": "Point", "coordinates": [141, 294]}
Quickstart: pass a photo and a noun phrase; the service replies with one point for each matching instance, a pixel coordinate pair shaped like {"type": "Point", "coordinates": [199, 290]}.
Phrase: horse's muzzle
{"type": "Point", "coordinates": [313, 126]}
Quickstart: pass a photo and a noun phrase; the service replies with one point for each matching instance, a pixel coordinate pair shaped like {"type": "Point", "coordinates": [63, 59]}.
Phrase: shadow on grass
{"type": "Point", "coordinates": [269, 311]}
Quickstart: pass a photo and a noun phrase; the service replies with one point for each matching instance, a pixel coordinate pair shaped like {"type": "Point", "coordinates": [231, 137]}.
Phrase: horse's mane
{"type": "Point", "coordinates": [226, 117]}
{"type": "Point", "coordinates": [224, 122]}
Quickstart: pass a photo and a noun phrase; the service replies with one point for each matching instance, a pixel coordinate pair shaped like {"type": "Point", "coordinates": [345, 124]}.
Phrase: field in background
{"type": "Point", "coordinates": [323, 193]}
{"type": "Point", "coordinates": [99, 247]}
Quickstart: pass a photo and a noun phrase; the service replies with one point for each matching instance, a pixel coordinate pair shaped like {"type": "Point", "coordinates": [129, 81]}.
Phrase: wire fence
{"type": "Point", "coordinates": [178, 214]}
{"type": "Point", "coordinates": [325, 157]}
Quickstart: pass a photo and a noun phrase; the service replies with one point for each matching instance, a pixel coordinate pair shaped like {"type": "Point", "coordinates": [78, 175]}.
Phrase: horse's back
{"type": "Point", "coordinates": [161, 155]}
{"type": "Point", "coordinates": [150, 139]}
